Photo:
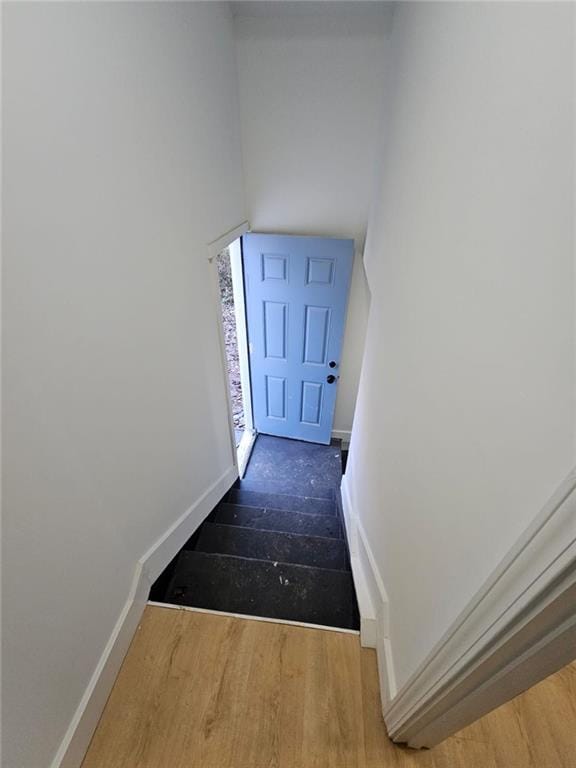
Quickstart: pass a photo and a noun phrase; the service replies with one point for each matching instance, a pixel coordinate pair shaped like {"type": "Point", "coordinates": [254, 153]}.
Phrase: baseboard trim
{"type": "Point", "coordinates": [366, 606]}
{"type": "Point", "coordinates": [302, 624]}
{"type": "Point", "coordinates": [73, 747]}
{"type": "Point", "coordinates": [371, 594]}
{"type": "Point", "coordinates": [244, 450]}
{"type": "Point", "coordinates": [168, 545]}
{"type": "Point", "coordinates": [79, 733]}
{"type": "Point", "coordinates": [342, 434]}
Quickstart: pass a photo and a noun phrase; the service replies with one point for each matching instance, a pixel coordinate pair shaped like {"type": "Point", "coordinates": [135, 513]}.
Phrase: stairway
{"type": "Point", "coordinates": [271, 555]}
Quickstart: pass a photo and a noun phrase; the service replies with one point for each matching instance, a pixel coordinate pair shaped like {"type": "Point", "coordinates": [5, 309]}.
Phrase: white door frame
{"type": "Point", "coordinates": [241, 455]}
{"type": "Point", "coordinates": [519, 628]}
{"type": "Point", "coordinates": [237, 269]}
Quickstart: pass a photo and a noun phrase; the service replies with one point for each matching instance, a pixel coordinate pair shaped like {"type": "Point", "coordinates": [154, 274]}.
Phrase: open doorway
{"type": "Point", "coordinates": [229, 270]}
{"type": "Point", "coordinates": [231, 341]}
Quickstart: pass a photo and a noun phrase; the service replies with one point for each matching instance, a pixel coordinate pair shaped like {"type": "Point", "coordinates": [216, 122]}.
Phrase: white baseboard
{"type": "Point", "coordinates": [77, 738]}
{"type": "Point", "coordinates": [244, 450]}
{"type": "Point", "coordinates": [342, 434]}
{"type": "Point", "coordinates": [371, 595]}
{"type": "Point", "coordinates": [168, 545]}
{"type": "Point", "coordinates": [79, 733]}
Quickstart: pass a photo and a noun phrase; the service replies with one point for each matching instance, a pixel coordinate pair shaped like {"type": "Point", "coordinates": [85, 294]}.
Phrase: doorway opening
{"type": "Point", "coordinates": [235, 349]}
{"type": "Point", "coordinates": [231, 341]}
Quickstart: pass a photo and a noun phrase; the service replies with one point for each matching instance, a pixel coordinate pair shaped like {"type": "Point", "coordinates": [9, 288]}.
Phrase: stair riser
{"type": "Point", "coordinates": [257, 588]}
{"type": "Point", "coordinates": [274, 488]}
{"type": "Point", "coordinates": [279, 521]}
{"type": "Point", "coordinates": [284, 503]}
{"type": "Point", "coordinates": [272, 546]}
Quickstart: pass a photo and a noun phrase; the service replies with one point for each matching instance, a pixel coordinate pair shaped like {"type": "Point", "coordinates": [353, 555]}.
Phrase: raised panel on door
{"type": "Point", "coordinates": [296, 299]}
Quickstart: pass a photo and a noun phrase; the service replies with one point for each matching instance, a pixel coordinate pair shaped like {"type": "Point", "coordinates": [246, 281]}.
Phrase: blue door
{"type": "Point", "coordinates": [296, 297]}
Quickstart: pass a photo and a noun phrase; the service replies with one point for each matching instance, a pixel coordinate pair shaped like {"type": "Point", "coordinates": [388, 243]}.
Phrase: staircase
{"type": "Point", "coordinates": [270, 555]}
{"type": "Point", "coordinates": [274, 547]}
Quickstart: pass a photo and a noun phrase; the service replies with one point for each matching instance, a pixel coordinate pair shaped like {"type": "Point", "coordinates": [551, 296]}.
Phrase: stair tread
{"type": "Point", "coordinates": [293, 467]}
{"type": "Point", "coordinates": [284, 502]}
{"type": "Point", "coordinates": [281, 521]}
{"type": "Point", "coordinates": [262, 588]}
{"type": "Point", "coordinates": [295, 548]}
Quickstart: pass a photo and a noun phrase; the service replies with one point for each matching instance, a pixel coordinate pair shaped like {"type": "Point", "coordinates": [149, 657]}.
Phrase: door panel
{"type": "Point", "coordinates": [296, 297]}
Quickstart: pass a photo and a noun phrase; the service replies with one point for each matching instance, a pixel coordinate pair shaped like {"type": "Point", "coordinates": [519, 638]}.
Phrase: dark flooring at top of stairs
{"type": "Point", "coordinates": [293, 467]}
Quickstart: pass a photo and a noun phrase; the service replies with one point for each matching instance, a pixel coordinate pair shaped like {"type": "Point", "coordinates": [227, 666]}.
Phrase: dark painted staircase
{"type": "Point", "coordinates": [273, 555]}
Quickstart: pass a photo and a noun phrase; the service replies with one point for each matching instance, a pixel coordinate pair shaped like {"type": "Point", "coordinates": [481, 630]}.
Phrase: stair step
{"type": "Point", "coordinates": [281, 521]}
{"type": "Point", "coordinates": [293, 467]}
{"type": "Point", "coordinates": [261, 588]}
{"type": "Point", "coordinates": [282, 502]}
{"type": "Point", "coordinates": [316, 551]}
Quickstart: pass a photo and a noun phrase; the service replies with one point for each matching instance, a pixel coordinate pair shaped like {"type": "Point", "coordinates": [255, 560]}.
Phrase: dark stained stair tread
{"type": "Point", "coordinates": [277, 520]}
{"type": "Point", "coordinates": [293, 467]}
{"type": "Point", "coordinates": [261, 588]}
{"type": "Point", "coordinates": [282, 502]}
{"type": "Point", "coordinates": [320, 552]}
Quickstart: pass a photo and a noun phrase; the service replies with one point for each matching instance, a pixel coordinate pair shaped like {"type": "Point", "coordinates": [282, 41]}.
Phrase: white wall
{"type": "Point", "coordinates": [465, 418]}
{"type": "Point", "coordinates": [311, 101]}
{"type": "Point", "coordinates": [121, 162]}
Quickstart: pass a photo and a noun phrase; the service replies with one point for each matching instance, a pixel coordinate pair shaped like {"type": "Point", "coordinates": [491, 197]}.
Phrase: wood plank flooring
{"type": "Point", "coordinates": [208, 691]}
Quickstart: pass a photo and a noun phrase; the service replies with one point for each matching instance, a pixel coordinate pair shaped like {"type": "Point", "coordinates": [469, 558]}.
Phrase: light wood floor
{"type": "Point", "coordinates": [217, 692]}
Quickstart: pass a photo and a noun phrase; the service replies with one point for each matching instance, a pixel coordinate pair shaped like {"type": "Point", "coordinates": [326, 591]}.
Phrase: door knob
{"type": "Point", "coordinates": [330, 379]}
{"type": "Point", "coordinates": [332, 364]}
